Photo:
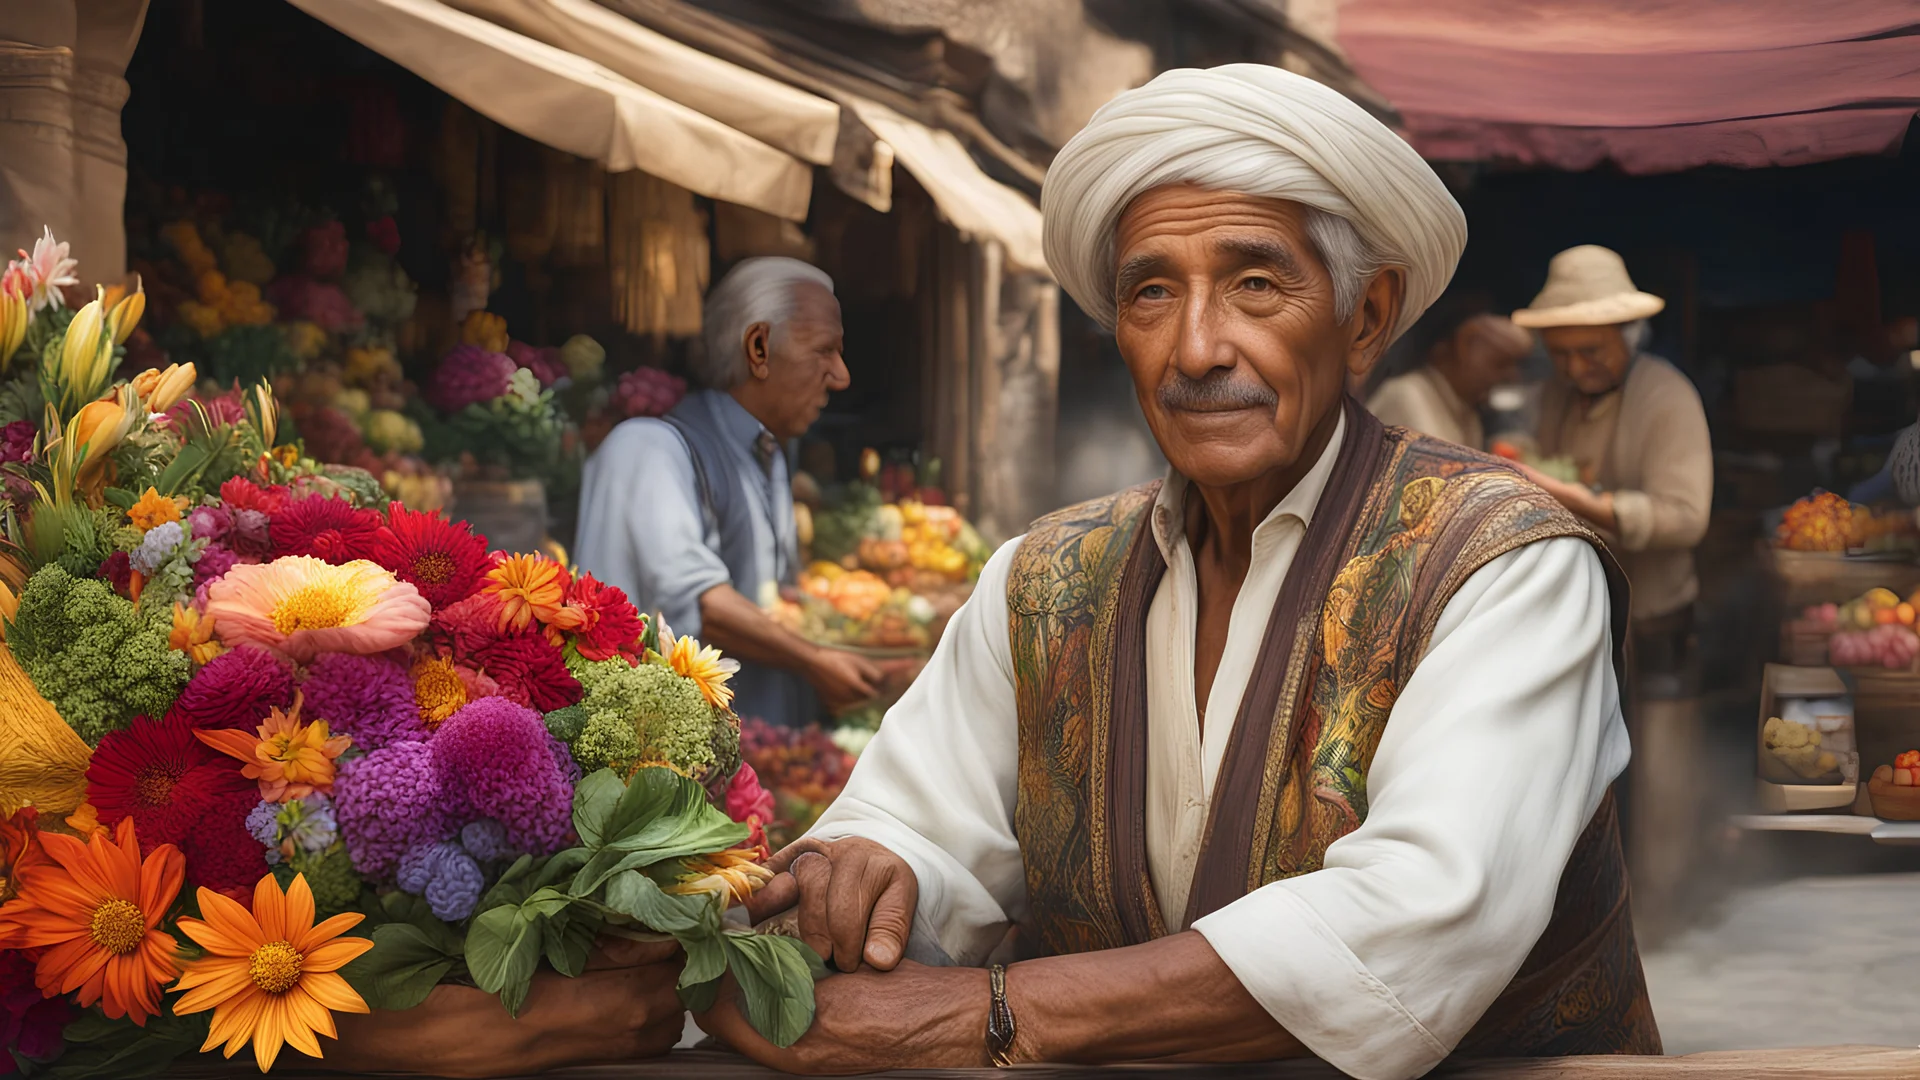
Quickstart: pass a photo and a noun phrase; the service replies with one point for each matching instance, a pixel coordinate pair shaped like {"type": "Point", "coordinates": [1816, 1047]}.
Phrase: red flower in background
{"type": "Point", "coordinates": [326, 528]}
{"type": "Point", "coordinates": [240, 493]}
{"type": "Point", "coordinates": [531, 671]}
{"type": "Point", "coordinates": [603, 622]}
{"type": "Point", "coordinates": [442, 559]}
{"type": "Point", "coordinates": [464, 628]}
{"type": "Point", "coordinates": [165, 779]}
{"type": "Point", "coordinates": [385, 234]}
{"type": "Point", "coordinates": [117, 571]}
{"type": "Point", "coordinates": [30, 1024]}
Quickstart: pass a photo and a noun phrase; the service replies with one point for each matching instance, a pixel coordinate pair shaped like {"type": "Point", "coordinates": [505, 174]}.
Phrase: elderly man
{"type": "Point", "coordinates": [1443, 398]}
{"type": "Point", "coordinates": [692, 514]}
{"type": "Point", "coordinates": [1634, 425]}
{"type": "Point", "coordinates": [1305, 749]}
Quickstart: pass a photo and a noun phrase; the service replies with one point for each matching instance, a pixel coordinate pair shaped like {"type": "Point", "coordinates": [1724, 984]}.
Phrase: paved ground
{"type": "Point", "coordinates": [1806, 962]}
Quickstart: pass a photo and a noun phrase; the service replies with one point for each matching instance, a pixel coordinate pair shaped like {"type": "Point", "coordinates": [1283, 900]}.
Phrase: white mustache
{"type": "Point", "coordinates": [1217, 392]}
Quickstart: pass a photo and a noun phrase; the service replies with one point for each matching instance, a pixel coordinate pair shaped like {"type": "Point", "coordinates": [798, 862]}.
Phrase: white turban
{"type": "Point", "coordinates": [1254, 130]}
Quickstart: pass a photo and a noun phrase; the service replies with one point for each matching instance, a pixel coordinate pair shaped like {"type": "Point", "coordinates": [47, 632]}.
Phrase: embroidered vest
{"type": "Point", "coordinates": [1404, 521]}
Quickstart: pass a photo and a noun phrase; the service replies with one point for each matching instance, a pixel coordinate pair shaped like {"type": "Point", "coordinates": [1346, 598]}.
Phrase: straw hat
{"type": "Point", "coordinates": [1587, 286]}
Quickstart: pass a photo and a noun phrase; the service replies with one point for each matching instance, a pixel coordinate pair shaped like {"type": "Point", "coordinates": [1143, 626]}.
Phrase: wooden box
{"type": "Point", "coordinates": [1781, 681]}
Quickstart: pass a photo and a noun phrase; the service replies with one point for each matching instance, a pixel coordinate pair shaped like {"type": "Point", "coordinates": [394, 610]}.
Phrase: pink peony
{"type": "Point", "coordinates": [467, 376]}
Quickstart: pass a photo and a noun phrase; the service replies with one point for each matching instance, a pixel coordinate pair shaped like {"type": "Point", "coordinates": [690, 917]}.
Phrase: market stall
{"type": "Point", "coordinates": [1839, 718]}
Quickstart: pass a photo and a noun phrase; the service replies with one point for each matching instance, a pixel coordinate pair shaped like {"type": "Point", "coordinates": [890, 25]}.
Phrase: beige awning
{"type": "Point", "coordinates": [572, 103]}
{"type": "Point", "coordinates": [977, 205]}
{"type": "Point", "coordinates": [792, 119]}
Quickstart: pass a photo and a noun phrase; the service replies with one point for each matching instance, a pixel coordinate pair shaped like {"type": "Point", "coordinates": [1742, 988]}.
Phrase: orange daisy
{"type": "Point", "coordinates": [153, 510]}
{"type": "Point", "coordinates": [530, 587]}
{"type": "Point", "coordinates": [192, 634]}
{"type": "Point", "coordinates": [270, 975]}
{"type": "Point", "coordinates": [19, 849]}
{"type": "Point", "coordinates": [96, 910]}
{"type": "Point", "coordinates": [291, 757]}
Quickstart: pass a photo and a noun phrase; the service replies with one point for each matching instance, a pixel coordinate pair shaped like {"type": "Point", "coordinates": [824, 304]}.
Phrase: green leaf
{"type": "Point", "coordinates": [503, 951]}
{"type": "Point", "coordinates": [561, 866]}
{"type": "Point", "coordinates": [121, 497]}
{"type": "Point", "coordinates": [634, 895]}
{"type": "Point", "coordinates": [99, 1047]}
{"type": "Point", "coordinates": [776, 983]}
{"type": "Point", "coordinates": [193, 457]}
{"type": "Point", "coordinates": [546, 902]}
{"type": "Point", "coordinates": [649, 796]}
{"type": "Point", "coordinates": [594, 801]}
{"type": "Point", "coordinates": [511, 888]}
{"type": "Point", "coordinates": [567, 939]}
{"type": "Point", "coordinates": [700, 998]}
{"type": "Point", "coordinates": [401, 969]}
{"type": "Point", "coordinates": [706, 961]}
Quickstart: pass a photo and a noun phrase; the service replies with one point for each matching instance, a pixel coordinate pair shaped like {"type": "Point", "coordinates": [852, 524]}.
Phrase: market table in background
{"type": "Point", "coordinates": [1838, 1062]}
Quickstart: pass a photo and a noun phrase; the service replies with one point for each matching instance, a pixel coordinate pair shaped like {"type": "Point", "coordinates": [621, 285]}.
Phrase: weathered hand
{"type": "Point", "coordinates": [912, 1017]}
{"type": "Point", "coordinates": [622, 1007]}
{"type": "Point", "coordinates": [855, 900]}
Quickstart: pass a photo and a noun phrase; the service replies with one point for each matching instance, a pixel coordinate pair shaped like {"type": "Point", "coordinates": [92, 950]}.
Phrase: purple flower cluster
{"type": "Point", "coordinates": [467, 376]}
{"type": "Point", "coordinates": [252, 534]}
{"type": "Point", "coordinates": [16, 441]}
{"type": "Point", "coordinates": [496, 760]}
{"type": "Point", "coordinates": [486, 840]}
{"type": "Point", "coordinates": [367, 697]}
{"type": "Point", "coordinates": [236, 690]}
{"type": "Point", "coordinates": [446, 875]}
{"type": "Point", "coordinates": [387, 803]}
{"type": "Point", "coordinates": [157, 546]}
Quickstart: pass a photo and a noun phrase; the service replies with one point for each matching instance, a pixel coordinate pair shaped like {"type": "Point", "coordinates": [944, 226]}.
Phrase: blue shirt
{"type": "Point", "coordinates": [643, 528]}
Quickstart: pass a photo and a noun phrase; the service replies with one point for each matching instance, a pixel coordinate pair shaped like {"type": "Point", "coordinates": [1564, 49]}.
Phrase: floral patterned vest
{"type": "Point", "coordinates": [1404, 521]}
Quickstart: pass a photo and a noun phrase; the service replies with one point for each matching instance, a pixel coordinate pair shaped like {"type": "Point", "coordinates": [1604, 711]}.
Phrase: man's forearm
{"type": "Point", "coordinates": [1168, 1000]}
{"type": "Point", "coordinates": [736, 626]}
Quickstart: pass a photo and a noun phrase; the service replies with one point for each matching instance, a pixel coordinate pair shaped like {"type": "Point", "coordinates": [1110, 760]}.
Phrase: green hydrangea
{"type": "Point", "coordinates": [336, 888]}
{"type": "Point", "coordinates": [88, 651]}
{"type": "Point", "coordinates": [645, 713]}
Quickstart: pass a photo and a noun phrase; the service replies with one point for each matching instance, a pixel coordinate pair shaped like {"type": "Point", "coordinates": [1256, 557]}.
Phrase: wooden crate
{"type": "Point", "coordinates": [1818, 577]}
{"type": "Point", "coordinates": [1779, 681]}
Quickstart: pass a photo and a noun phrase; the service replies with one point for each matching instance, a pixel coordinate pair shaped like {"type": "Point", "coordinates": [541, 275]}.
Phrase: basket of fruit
{"type": "Point", "coordinates": [1895, 789]}
{"type": "Point", "coordinates": [1824, 549]}
{"type": "Point", "coordinates": [1874, 630]}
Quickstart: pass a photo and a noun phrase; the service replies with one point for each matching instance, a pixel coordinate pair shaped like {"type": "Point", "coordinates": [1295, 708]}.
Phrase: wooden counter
{"type": "Point", "coordinates": [1828, 1063]}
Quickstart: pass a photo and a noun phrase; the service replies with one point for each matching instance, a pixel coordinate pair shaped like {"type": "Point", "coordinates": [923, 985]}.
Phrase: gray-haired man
{"type": "Point", "coordinates": [692, 514]}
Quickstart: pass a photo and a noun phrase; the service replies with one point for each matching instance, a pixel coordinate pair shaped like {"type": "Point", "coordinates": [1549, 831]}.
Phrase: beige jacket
{"type": "Point", "coordinates": [1426, 402]}
{"type": "Point", "coordinates": [1647, 443]}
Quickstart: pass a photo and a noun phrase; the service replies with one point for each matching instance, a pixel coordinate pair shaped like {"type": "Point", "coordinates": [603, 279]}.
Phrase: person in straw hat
{"type": "Point", "coordinates": [1305, 749]}
{"type": "Point", "coordinates": [1635, 427]}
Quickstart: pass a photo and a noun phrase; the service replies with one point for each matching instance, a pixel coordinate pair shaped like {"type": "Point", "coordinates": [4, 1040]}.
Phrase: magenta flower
{"type": "Point", "coordinates": [496, 760]}
{"type": "Point", "coordinates": [467, 376]}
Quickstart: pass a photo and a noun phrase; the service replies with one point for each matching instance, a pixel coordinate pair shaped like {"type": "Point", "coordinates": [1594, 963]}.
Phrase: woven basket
{"type": "Point", "coordinates": [42, 762]}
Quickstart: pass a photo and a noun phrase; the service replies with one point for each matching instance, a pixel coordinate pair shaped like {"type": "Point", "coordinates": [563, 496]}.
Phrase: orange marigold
{"type": "Point", "coordinates": [531, 589]}
{"type": "Point", "coordinates": [153, 510]}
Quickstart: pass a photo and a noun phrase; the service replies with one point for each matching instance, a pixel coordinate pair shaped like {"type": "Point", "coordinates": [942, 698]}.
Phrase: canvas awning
{"type": "Point", "coordinates": [1652, 85]}
{"type": "Point", "coordinates": [572, 103]}
{"type": "Point", "coordinates": [798, 122]}
{"type": "Point", "coordinates": [976, 204]}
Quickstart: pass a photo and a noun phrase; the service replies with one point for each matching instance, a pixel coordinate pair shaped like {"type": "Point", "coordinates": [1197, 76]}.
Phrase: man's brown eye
{"type": "Point", "coordinates": [1258, 284]}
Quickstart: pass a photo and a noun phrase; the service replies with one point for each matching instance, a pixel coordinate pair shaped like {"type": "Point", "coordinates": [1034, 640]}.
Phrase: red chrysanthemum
{"type": "Point", "coordinates": [239, 493]}
{"type": "Point", "coordinates": [465, 628]}
{"type": "Point", "coordinates": [235, 690]}
{"type": "Point", "coordinates": [602, 622]}
{"type": "Point", "coordinates": [30, 1022]}
{"type": "Point", "coordinates": [326, 528]}
{"type": "Point", "coordinates": [442, 559]}
{"type": "Point", "coordinates": [531, 671]}
{"type": "Point", "coordinates": [159, 774]}
{"type": "Point", "coordinates": [221, 854]}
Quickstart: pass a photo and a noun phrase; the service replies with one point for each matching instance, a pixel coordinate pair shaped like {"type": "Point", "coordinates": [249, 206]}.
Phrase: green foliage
{"type": "Point", "coordinates": [117, 1049]}
{"type": "Point", "coordinates": [89, 652]}
{"type": "Point", "coordinates": [20, 400]}
{"type": "Point", "coordinates": [521, 431]}
{"type": "Point", "coordinates": [246, 355]}
{"type": "Point", "coordinates": [363, 487]}
{"type": "Point", "coordinates": [850, 513]}
{"type": "Point", "coordinates": [633, 838]}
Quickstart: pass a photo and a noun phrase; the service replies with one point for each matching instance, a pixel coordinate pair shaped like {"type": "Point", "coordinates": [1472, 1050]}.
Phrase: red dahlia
{"type": "Point", "coordinates": [603, 622]}
{"type": "Point", "coordinates": [240, 493]}
{"type": "Point", "coordinates": [531, 671]}
{"type": "Point", "coordinates": [325, 528]}
{"type": "Point", "coordinates": [221, 854]}
{"type": "Point", "coordinates": [442, 559]}
{"type": "Point", "coordinates": [168, 781]}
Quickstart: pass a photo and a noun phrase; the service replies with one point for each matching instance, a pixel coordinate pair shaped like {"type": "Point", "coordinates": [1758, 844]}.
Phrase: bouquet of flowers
{"type": "Point", "coordinates": [492, 404]}
{"type": "Point", "coordinates": [272, 748]}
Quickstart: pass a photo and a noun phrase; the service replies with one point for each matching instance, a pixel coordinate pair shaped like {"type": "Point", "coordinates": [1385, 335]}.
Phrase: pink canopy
{"type": "Point", "coordinates": [1653, 85]}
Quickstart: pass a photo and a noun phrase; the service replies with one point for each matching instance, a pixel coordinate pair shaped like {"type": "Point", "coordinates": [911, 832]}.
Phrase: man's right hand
{"type": "Point", "coordinates": [853, 900]}
{"type": "Point", "coordinates": [843, 679]}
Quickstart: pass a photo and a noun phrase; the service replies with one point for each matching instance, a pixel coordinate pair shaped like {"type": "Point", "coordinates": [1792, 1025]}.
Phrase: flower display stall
{"type": "Point", "coordinates": [275, 747]}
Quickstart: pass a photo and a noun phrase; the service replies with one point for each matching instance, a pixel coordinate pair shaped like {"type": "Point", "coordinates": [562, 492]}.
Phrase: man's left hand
{"type": "Point", "coordinates": [867, 1021]}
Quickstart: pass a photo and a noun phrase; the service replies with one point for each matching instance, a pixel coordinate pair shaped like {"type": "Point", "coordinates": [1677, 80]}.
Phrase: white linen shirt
{"type": "Point", "coordinates": [1497, 753]}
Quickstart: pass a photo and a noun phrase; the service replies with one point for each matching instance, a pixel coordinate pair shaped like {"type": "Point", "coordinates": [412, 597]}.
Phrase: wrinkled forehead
{"type": "Point", "coordinates": [1181, 221]}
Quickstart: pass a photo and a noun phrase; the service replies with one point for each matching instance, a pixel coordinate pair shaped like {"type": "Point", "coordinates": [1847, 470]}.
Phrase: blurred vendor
{"type": "Point", "coordinates": [1634, 426]}
{"type": "Point", "coordinates": [692, 513]}
{"type": "Point", "coordinates": [1444, 396]}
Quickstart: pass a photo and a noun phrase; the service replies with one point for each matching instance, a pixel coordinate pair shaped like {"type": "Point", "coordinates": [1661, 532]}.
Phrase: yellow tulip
{"type": "Point", "coordinates": [125, 313]}
{"type": "Point", "coordinates": [99, 427]}
{"type": "Point", "coordinates": [86, 356]}
{"type": "Point", "coordinates": [162, 390]}
{"type": "Point", "coordinates": [13, 326]}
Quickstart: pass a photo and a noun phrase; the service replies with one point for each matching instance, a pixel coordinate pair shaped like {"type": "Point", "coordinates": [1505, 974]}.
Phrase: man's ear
{"type": "Point", "coordinates": [758, 341]}
{"type": "Point", "coordinates": [1373, 322]}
